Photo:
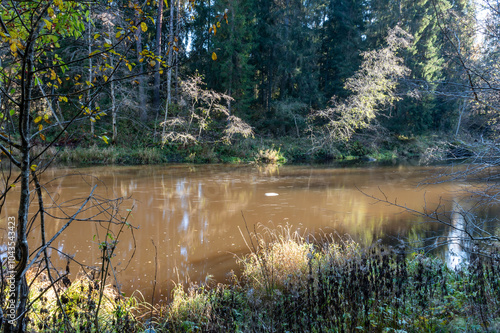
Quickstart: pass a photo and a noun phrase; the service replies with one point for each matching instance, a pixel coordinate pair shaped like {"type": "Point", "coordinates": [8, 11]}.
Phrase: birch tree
{"type": "Point", "coordinates": [29, 31]}
{"type": "Point", "coordinates": [372, 88]}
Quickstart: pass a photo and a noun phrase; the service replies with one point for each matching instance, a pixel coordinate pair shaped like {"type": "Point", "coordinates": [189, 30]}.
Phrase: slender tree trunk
{"type": "Point", "coordinates": [461, 112]}
{"type": "Point", "coordinates": [49, 103]}
{"type": "Point", "coordinates": [232, 63]}
{"type": "Point", "coordinates": [177, 32]}
{"type": "Point", "coordinates": [169, 65]}
{"type": "Point", "coordinates": [21, 247]}
{"type": "Point", "coordinates": [142, 96]}
{"type": "Point", "coordinates": [89, 40]}
{"type": "Point", "coordinates": [156, 92]}
{"type": "Point", "coordinates": [113, 108]}
{"type": "Point", "coordinates": [57, 107]}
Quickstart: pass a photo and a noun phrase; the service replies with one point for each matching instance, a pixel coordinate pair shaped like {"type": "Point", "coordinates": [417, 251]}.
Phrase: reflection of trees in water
{"type": "Point", "coordinates": [456, 253]}
{"type": "Point", "coordinates": [194, 210]}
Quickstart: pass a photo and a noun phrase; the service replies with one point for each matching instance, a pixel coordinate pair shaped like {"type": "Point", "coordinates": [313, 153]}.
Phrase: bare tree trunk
{"type": "Point", "coordinates": [156, 92]}
{"type": "Point", "coordinates": [462, 109]}
{"type": "Point", "coordinates": [177, 33]}
{"type": "Point", "coordinates": [169, 65]}
{"type": "Point", "coordinates": [138, 42]}
{"type": "Point", "coordinates": [49, 103]}
{"type": "Point", "coordinates": [231, 67]}
{"type": "Point", "coordinates": [113, 107]}
{"type": "Point", "coordinates": [89, 40]}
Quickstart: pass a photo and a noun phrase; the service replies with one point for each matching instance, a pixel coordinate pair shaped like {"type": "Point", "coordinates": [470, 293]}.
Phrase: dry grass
{"type": "Point", "coordinates": [74, 305]}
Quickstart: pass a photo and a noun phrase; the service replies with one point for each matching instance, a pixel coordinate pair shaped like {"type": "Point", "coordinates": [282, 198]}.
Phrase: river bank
{"type": "Point", "coordinates": [425, 149]}
{"type": "Point", "coordinates": [289, 284]}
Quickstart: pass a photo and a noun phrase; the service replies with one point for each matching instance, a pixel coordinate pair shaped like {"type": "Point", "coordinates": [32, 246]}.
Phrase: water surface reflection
{"type": "Point", "coordinates": [191, 216]}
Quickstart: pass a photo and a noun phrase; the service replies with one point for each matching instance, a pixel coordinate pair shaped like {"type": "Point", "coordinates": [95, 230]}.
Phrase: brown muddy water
{"type": "Point", "coordinates": [190, 217]}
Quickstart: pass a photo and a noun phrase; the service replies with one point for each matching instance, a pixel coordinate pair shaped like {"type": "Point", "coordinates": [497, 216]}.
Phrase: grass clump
{"type": "Point", "coordinates": [270, 156]}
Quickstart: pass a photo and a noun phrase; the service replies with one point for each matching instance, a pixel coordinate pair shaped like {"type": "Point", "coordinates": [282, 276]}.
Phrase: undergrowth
{"type": "Point", "coordinates": [292, 283]}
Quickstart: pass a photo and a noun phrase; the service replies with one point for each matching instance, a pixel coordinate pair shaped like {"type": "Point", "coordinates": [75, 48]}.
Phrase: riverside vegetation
{"type": "Point", "coordinates": [427, 149]}
{"type": "Point", "coordinates": [289, 284]}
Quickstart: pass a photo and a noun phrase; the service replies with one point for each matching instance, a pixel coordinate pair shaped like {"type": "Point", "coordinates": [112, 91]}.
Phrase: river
{"type": "Point", "coordinates": [190, 219]}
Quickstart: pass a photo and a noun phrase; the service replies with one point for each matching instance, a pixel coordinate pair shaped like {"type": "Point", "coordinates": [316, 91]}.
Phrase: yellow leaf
{"type": "Point", "coordinates": [118, 34]}
{"type": "Point", "coordinates": [33, 167]}
{"type": "Point", "coordinates": [50, 11]}
{"type": "Point", "coordinates": [92, 119]}
{"type": "Point", "coordinates": [40, 127]}
{"type": "Point", "coordinates": [42, 136]}
{"type": "Point", "coordinates": [152, 63]}
{"type": "Point", "coordinates": [105, 138]}
{"type": "Point", "coordinates": [45, 117]}
{"type": "Point", "coordinates": [13, 47]}
{"type": "Point", "coordinates": [53, 75]}
{"type": "Point", "coordinates": [59, 80]}
{"type": "Point", "coordinates": [214, 56]}
{"type": "Point", "coordinates": [144, 27]}
{"type": "Point", "coordinates": [38, 119]}
{"type": "Point", "coordinates": [161, 72]}
{"type": "Point", "coordinates": [47, 23]}
{"type": "Point", "coordinates": [218, 24]}
{"type": "Point", "coordinates": [129, 67]}
{"type": "Point", "coordinates": [105, 78]}
{"type": "Point", "coordinates": [12, 185]}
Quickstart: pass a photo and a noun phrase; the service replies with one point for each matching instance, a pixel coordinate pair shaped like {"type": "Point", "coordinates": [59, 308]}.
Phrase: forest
{"type": "Point", "coordinates": [304, 75]}
{"type": "Point", "coordinates": [240, 81]}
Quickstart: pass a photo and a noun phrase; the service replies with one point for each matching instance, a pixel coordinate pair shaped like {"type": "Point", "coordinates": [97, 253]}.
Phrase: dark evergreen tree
{"type": "Point", "coordinates": [342, 42]}
{"type": "Point", "coordinates": [232, 72]}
